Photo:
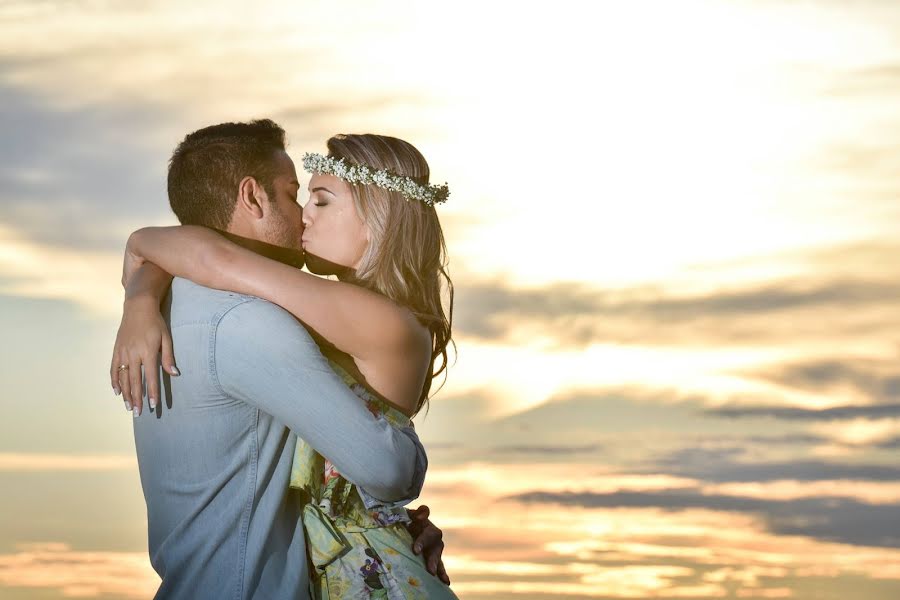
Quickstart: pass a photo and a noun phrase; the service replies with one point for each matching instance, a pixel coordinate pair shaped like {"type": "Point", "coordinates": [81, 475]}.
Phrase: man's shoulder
{"type": "Point", "coordinates": [192, 303]}
{"type": "Point", "coordinates": [237, 323]}
{"type": "Point", "coordinates": [251, 330]}
{"type": "Point", "coordinates": [256, 312]}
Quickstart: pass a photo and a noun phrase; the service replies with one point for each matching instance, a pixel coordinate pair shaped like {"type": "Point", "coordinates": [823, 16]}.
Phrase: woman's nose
{"type": "Point", "coordinates": [307, 215]}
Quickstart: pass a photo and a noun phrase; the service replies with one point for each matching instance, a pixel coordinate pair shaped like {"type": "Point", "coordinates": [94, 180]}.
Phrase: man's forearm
{"type": "Point", "coordinates": [265, 357]}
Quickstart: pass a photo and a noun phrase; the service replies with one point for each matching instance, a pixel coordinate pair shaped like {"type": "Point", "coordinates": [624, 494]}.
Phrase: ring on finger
{"type": "Point", "coordinates": [123, 367]}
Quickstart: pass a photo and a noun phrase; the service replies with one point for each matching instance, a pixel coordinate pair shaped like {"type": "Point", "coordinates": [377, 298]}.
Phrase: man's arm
{"type": "Point", "coordinates": [263, 356]}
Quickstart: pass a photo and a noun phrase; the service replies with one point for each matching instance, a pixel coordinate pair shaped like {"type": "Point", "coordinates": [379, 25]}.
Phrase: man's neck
{"type": "Point", "coordinates": [288, 256]}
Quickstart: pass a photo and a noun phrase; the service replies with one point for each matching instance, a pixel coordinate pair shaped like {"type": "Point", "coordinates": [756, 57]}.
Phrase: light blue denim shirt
{"type": "Point", "coordinates": [215, 456]}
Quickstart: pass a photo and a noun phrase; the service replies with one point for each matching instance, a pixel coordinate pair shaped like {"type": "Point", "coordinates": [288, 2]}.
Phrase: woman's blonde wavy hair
{"type": "Point", "coordinates": [406, 259]}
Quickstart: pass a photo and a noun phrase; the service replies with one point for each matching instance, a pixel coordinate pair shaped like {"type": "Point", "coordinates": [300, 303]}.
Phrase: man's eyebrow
{"type": "Point", "coordinates": [294, 182]}
{"type": "Point", "coordinates": [321, 189]}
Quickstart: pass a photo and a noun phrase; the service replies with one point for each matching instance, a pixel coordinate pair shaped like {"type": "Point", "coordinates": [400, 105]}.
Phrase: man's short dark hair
{"type": "Point", "coordinates": [206, 168]}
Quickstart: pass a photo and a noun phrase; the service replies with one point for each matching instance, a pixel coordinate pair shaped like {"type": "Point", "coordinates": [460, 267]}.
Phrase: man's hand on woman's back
{"type": "Point", "coordinates": [428, 541]}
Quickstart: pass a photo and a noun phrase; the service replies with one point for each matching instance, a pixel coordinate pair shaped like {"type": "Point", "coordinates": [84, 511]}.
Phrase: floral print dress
{"type": "Point", "coordinates": [357, 552]}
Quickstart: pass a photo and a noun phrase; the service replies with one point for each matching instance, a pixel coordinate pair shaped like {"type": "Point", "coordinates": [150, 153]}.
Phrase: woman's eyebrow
{"type": "Point", "coordinates": [321, 189]}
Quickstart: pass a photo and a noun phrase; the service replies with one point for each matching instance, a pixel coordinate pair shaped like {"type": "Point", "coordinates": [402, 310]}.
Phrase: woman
{"type": "Point", "coordinates": [371, 221]}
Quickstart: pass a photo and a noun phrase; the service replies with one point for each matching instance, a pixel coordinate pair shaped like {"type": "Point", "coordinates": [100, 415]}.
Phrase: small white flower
{"type": "Point", "coordinates": [363, 174]}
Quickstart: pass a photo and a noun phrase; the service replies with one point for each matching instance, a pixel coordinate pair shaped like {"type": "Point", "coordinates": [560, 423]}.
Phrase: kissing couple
{"type": "Point", "coordinates": [277, 451]}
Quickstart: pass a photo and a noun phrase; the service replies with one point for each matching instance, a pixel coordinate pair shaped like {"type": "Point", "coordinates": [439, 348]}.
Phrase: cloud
{"type": "Point", "coordinates": [869, 161]}
{"type": "Point", "coordinates": [732, 548]}
{"type": "Point", "coordinates": [630, 425]}
{"type": "Point", "coordinates": [833, 519]}
{"type": "Point", "coordinates": [81, 178]}
{"type": "Point", "coordinates": [720, 465]}
{"type": "Point", "coordinates": [578, 315]}
{"type": "Point", "coordinates": [32, 270]}
{"type": "Point", "coordinates": [859, 432]}
{"type": "Point", "coordinates": [658, 417]}
{"type": "Point", "coordinates": [627, 424]}
{"type": "Point", "coordinates": [549, 450]}
{"type": "Point", "coordinates": [875, 380]}
{"type": "Point", "coordinates": [12, 461]}
{"type": "Point", "coordinates": [628, 581]}
{"type": "Point", "coordinates": [878, 79]}
{"type": "Point", "coordinates": [77, 573]}
{"type": "Point", "coordinates": [851, 426]}
{"type": "Point", "coordinates": [455, 419]}
{"type": "Point", "coordinates": [787, 439]}
{"type": "Point", "coordinates": [608, 411]}
{"type": "Point", "coordinates": [837, 413]}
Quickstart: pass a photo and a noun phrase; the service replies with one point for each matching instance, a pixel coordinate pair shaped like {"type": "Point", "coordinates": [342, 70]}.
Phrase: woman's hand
{"type": "Point", "coordinates": [143, 333]}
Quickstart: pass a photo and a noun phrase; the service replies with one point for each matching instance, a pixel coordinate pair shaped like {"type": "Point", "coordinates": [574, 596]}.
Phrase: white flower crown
{"type": "Point", "coordinates": [428, 194]}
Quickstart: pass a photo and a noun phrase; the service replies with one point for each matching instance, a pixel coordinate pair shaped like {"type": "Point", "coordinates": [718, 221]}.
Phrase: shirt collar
{"type": "Point", "coordinates": [288, 256]}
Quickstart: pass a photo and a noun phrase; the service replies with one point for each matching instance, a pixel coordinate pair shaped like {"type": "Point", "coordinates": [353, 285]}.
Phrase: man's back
{"type": "Point", "coordinates": [215, 470]}
{"type": "Point", "coordinates": [215, 456]}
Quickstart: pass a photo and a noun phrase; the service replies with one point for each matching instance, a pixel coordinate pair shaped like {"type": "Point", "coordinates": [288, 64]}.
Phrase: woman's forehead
{"type": "Point", "coordinates": [329, 183]}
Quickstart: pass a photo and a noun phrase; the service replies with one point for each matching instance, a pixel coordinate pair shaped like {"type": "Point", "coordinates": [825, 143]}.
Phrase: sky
{"type": "Point", "coordinates": [673, 230]}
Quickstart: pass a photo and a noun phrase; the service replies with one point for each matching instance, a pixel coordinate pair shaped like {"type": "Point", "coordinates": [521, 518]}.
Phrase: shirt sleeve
{"type": "Point", "coordinates": [263, 356]}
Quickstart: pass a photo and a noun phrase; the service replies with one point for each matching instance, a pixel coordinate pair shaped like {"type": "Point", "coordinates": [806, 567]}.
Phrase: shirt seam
{"type": "Point", "coordinates": [254, 455]}
{"type": "Point", "coordinates": [214, 325]}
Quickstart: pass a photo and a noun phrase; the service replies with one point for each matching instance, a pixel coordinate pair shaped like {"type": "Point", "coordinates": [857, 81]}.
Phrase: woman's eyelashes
{"type": "Point", "coordinates": [316, 199]}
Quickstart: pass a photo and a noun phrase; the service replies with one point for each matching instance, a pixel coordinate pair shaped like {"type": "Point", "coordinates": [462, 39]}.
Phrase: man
{"type": "Point", "coordinates": [222, 520]}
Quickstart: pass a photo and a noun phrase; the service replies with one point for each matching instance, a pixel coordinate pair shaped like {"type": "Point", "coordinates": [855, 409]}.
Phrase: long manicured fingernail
{"type": "Point", "coordinates": [127, 405]}
{"type": "Point", "coordinates": [136, 412]}
{"type": "Point", "coordinates": [152, 402]}
{"type": "Point", "coordinates": [116, 391]}
{"type": "Point", "coordinates": [174, 371]}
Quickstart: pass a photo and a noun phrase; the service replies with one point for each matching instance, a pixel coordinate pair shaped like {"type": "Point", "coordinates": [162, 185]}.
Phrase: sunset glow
{"type": "Point", "coordinates": [673, 230]}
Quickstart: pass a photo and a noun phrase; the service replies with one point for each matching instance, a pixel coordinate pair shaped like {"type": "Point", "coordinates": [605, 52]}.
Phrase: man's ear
{"type": "Point", "coordinates": [252, 198]}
